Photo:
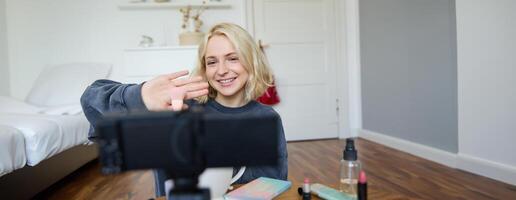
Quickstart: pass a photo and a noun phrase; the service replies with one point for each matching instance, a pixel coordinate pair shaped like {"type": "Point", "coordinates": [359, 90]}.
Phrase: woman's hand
{"type": "Point", "coordinates": [157, 93]}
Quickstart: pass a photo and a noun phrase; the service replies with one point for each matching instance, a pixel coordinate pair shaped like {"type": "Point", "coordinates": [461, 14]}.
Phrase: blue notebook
{"type": "Point", "coordinates": [259, 189]}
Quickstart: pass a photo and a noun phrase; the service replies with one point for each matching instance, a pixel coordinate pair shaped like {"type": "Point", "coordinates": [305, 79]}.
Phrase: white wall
{"type": "Point", "coordinates": [4, 68]}
{"type": "Point", "coordinates": [47, 32]}
{"type": "Point", "coordinates": [486, 43]}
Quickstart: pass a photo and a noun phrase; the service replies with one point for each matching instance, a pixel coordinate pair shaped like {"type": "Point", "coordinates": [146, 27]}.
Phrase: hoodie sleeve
{"type": "Point", "coordinates": [106, 96]}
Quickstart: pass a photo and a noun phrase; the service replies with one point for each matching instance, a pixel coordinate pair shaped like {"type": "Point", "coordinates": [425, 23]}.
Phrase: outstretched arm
{"type": "Point", "coordinates": [106, 96]}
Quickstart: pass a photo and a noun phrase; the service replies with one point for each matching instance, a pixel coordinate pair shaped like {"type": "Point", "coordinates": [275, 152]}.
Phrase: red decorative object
{"type": "Point", "coordinates": [270, 97]}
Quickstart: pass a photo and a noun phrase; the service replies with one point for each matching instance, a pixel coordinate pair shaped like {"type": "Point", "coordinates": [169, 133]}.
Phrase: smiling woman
{"type": "Point", "coordinates": [237, 73]}
{"type": "Point", "coordinates": [233, 64]}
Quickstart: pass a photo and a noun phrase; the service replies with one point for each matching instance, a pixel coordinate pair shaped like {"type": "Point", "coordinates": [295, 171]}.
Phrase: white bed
{"type": "Point", "coordinates": [42, 137]}
{"type": "Point", "coordinates": [47, 135]}
{"type": "Point", "coordinates": [47, 131]}
{"type": "Point", "coordinates": [12, 149]}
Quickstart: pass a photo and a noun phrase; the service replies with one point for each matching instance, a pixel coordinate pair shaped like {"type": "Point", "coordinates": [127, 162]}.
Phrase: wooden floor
{"type": "Point", "coordinates": [391, 174]}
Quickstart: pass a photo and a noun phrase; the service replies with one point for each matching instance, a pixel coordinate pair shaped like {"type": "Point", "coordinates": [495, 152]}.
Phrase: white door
{"type": "Point", "coordinates": [299, 38]}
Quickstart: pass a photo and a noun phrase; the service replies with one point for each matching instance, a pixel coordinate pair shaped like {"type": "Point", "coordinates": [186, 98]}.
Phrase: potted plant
{"type": "Point", "coordinates": [191, 33]}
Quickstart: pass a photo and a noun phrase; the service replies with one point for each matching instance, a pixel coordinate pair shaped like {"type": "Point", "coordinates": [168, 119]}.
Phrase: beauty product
{"type": "Point", "coordinates": [306, 189]}
{"type": "Point", "coordinates": [260, 188]}
{"type": "Point", "coordinates": [349, 169]}
{"type": "Point", "coordinates": [328, 193]}
{"type": "Point", "coordinates": [362, 186]}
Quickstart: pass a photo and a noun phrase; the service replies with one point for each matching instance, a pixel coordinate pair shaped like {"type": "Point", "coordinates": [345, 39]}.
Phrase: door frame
{"type": "Point", "coordinates": [348, 62]}
{"type": "Point", "coordinates": [350, 31]}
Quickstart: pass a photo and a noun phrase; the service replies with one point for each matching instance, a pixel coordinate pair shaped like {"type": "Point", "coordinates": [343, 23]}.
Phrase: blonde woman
{"type": "Point", "coordinates": [237, 73]}
{"type": "Point", "coordinates": [231, 73]}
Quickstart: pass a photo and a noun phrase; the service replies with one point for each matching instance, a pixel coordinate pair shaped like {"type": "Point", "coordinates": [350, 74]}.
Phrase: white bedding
{"type": "Point", "coordinates": [46, 131]}
{"type": "Point", "coordinates": [11, 105]}
{"type": "Point", "coordinates": [47, 135]}
{"type": "Point", "coordinates": [12, 149]}
{"type": "Point", "coordinates": [52, 121]}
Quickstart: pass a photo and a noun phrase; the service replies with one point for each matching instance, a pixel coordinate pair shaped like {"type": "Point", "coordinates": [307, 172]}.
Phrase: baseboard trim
{"type": "Point", "coordinates": [487, 168]}
{"type": "Point", "coordinates": [429, 153]}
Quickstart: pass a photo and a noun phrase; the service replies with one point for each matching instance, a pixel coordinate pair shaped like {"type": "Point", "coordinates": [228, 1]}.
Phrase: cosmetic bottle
{"type": "Point", "coordinates": [349, 169]}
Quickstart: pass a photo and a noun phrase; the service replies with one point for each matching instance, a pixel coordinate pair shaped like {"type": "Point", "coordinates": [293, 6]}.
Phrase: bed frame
{"type": "Point", "coordinates": [28, 181]}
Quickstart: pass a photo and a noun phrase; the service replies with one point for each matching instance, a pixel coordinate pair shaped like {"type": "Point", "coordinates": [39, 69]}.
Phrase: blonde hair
{"type": "Point", "coordinates": [250, 55]}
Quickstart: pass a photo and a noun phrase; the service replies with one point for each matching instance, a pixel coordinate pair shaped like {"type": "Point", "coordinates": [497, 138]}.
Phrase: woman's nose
{"type": "Point", "coordinates": [222, 69]}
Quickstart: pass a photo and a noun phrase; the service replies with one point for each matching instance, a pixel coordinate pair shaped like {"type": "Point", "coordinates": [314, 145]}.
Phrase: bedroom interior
{"type": "Point", "coordinates": [425, 87]}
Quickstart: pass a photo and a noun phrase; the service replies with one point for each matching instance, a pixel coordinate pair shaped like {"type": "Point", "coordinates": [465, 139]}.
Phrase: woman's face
{"type": "Point", "coordinates": [224, 71]}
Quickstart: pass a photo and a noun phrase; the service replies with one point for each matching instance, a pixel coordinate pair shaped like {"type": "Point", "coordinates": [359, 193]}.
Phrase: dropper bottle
{"type": "Point", "coordinates": [349, 169]}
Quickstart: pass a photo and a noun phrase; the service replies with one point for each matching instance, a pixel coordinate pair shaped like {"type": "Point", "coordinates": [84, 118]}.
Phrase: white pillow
{"type": "Point", "coordinates": [64, 84]}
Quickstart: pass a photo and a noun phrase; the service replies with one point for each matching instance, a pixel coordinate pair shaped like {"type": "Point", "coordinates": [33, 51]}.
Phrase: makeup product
{"type": "Point", "coordinates": [306, 189]}
{"type": "Point", "coordinates": [259, 189]}
{"type": "Point", "coordinates": [362, 186]}
{"type": "Point", "coordinates": [349, 169]}
{"type": "Point", "coordinates": [328, 193]}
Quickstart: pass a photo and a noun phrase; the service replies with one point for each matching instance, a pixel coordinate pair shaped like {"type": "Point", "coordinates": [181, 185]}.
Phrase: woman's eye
{"type": "Point", "coordinates": [210, 63]}
{"type": "Point", "coordinates": [233, 59]}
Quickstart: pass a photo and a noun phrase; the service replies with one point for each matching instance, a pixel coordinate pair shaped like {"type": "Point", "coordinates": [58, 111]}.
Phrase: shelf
{"type": "Point", "coordinates": [171, 5]}
{"type": "Point", "coordinates": [161, 48]}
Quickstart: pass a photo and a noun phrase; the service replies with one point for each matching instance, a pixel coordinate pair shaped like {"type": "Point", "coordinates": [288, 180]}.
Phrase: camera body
{"type": "Point", "coordinates": [185, 143]}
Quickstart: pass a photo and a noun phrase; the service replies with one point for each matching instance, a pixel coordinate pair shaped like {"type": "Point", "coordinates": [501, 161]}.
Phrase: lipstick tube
{"type": "Point", "coordinates": [306, 189]}
{"type": "Point", "coordinates": [362, 186]}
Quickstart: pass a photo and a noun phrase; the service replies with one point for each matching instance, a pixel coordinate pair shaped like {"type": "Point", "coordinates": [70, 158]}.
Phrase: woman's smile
{"type": "Point", "coordinates": [227, 82]}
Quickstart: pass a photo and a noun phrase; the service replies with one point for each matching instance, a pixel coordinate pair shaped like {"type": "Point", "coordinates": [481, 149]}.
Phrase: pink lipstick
{"type": "Point", "coordinates": [362, 186]}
